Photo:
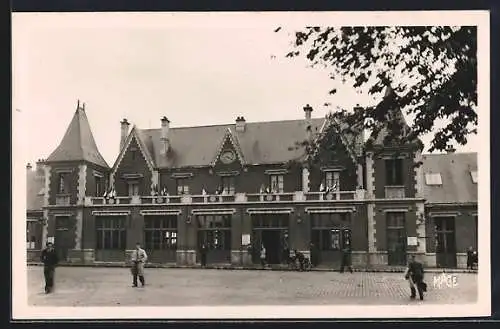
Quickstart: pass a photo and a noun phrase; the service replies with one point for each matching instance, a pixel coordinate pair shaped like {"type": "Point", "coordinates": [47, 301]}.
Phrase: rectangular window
{"type": "Point", "coordinates": [395, 220]}
{"type": "Point", "coordinates": [473, 175]}
{"type": "Point", "coordinates": [433, 179]}
{"type": "Point", "coordinates": [394, 172]}
{"type": "Point", "coordinates": [332, 180]}
{"type": "Point", "coordinates": [214, 231]}
{"type": "Point", "coordinates": [182, 186]}
{"type": "Point", "coordinates": [160, 232]}
{"type": "Point", "coordinates": [31, 234]}
{"type": "Point", "coordinates": [133, 188]}
{"type": "Point", "coordinates": [98, 186]}
{"type": "Point", "coordinates": [228, 184]}
{"type": "Point", "coordinates": [111, 232]}
{"type": "Point", "coordinates": [61, 189]}
{"type": "Point", "coordinates": [277, 183]}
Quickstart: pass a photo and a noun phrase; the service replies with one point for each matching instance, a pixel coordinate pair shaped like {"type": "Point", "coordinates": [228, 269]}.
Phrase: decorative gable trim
{"type": "Point", "coordinates": [234, 141]}
{"type": "Point", "coordinates": [133, 134]}
{"type": "Point", "coordinates": [326, 124]}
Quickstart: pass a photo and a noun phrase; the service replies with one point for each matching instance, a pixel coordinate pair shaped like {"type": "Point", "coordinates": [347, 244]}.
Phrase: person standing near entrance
{"type": "Point", "coordinates": [314, 254]}
{"type": "Point", "coordinates": [139, 258]}
{"type": "Point", "coordinates": [470, 258]}
{"type": "Point", "coordinates": [346, 258]}
{"type": "Point", "coordinates": [49, 259]}
{"type": "Point", "coordinates": [262, 256]}
{"type": "Point", "coordinates": [415, 276]}
{"type": "Point", "coordinates": [203, 254]}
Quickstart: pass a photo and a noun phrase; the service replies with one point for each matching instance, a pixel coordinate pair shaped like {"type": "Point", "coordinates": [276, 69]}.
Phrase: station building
{"type": "Point", "coordinates": [239, 186]}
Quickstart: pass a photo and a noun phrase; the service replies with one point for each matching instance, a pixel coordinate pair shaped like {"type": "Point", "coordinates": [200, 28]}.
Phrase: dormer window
{"type": "Point", "coordinates": [433, 179]}
{"type": "Point", "coordinates": [332, 179]}
{"type": "Point", "coordinates": [473, 175]}
{"type": "Point", "coordinates": [394, 172]}
{"type": "Point", "coordinates": [133, 188]}
{"type": "Point", "coordinates": [228, 184]}
{"type": "Point", "coordinates": [276, 183]}
{"type": "Point", "coordinates": [182, 185]}
{"type": "Point", "coordinates": [61, 189]}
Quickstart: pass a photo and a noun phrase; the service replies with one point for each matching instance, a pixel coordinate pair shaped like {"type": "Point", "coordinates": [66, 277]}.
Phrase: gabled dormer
{"type": "Point", "coordinates": [132, 174]}
{"type": "Point", "coordinates": [228, 162]}
{"type": "Point", "coordinates": [334, 166]}
{"type": "Point", "coordinates": [76, 168]}
{"type": "Point", "coordinates": [395, 152]}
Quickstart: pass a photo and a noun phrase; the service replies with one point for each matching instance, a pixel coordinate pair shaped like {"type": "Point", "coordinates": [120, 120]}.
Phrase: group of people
{"type": "Point", "coordinates": [414, 273]}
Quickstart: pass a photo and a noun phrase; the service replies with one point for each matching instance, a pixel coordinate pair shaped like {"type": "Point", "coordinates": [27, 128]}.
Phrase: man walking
{"type": "Point", "coordinates": [415, 276]}
{"type": "Point", "coordinates": [139, 258]}
{"type": "Point", "coordinates": [49, 260]}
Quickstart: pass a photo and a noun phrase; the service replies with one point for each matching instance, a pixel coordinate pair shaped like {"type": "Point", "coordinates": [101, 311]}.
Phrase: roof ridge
{"type": "Point", "coordinates": [230, 124]}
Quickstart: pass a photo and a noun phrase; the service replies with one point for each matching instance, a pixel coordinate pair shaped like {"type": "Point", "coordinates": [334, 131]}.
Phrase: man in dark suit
{"type": "Point", "coordinates": [49, 259]}
{"type": "Point", "coordinates": [415, 276]}
{"type": "Point", "coordinates": [346, 259]}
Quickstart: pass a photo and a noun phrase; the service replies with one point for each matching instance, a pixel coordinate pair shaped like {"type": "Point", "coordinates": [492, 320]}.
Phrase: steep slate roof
{"type": "Point", "coordinates": [260, 143]}
{"type": "Point", "coordinates": [78, 143]}
{"type": "Point", "coordinates": [455, 170]}
{"type": "Point", "coordinates": [34, 191]}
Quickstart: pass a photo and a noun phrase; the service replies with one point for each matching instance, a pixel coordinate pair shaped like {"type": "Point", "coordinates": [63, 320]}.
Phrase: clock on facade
{"type": "Point", "coordinates": [227, 157]}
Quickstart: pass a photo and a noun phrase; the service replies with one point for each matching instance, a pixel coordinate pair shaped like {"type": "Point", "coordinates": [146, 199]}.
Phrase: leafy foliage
{"type": "Point", "coordinates": [432, 70]}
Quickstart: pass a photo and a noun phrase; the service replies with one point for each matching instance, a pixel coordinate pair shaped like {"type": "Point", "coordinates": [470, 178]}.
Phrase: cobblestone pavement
{"type": "Point", "coordinates": [81, 286]}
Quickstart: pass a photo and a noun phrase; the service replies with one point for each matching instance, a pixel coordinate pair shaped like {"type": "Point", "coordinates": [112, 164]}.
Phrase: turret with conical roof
{"type": "Point", "coordinates": [78, 143]}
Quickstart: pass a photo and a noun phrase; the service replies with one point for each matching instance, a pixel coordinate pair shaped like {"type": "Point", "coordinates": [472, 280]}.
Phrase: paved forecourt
{"type": "Point", "coordinates": [91, 286]}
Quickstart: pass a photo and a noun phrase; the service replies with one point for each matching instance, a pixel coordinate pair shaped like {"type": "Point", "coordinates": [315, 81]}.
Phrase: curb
{"type": "Point", "coordinates": [250, 268]}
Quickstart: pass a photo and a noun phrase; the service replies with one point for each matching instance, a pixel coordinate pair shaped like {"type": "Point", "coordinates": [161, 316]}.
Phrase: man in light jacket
{"type": "Point", "coordinates": [138, 258]}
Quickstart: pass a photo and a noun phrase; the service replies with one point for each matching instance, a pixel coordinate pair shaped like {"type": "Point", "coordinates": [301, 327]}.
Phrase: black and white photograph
{"type": "Point", "coordinates": [251, 165]}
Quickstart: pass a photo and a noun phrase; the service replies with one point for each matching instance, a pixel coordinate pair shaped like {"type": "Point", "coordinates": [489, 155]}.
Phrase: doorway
{"type": "Point", "coordinates": [329, 244]}
{"type": "Point", "coordinates": [396, 239]}
{"type": "Point", "coordinates": [270, 230]}
{"type": "Point", "coordinates": [446, 252]}
{"type": "Point", "coordinates": [63, 240]}
{"type": "Point", "coordinates": [276, 243]}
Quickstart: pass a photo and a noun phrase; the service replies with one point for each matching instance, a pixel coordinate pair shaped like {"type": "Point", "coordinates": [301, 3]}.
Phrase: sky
{"type": "Point", "coordinates": [199, 71]}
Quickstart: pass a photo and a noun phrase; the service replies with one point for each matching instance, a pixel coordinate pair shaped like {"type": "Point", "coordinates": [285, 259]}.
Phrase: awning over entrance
{"type": "Point", "coordinates": [269, 211]}
{"type": "Point", "coordinates": [111, 213]}
{"type": "Point", "coordinates": [329, 210]}
{"type": "Point", "coordinates": [160, 212]}
{"type": "Point", "coordinates": [227, 211]}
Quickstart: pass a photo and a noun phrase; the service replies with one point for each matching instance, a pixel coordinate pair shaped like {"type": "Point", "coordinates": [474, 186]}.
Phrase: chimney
{"type": "Point", "coordinates": [40, 164]}
{"type": "Point", "coordinates": [124, 133]}
{"type": "Point", "coordinates": [240, 124]}
{"type": "Point", "coordinates": [28, 166]}
{"type": "Point", "coordinates": [450, 149]}
{"type": "Point", "coordinates": [308, 111]}
{"type": "Point", "coordinates": [165, 127]}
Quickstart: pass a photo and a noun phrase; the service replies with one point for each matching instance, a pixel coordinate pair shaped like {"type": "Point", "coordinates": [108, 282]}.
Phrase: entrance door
{"type": "Point", "coordinates": [396, 239]}
{"type": "Point", "coordinates": [329, 244]}
{"type": "Point", "coordinates": [276, 243]}
{"type": "Point", "coordinates": [63, 240]}
{"type": "Point", "coordinates": [214, 231]}
{"type": "Point", "coordinates": [446, 253]}
{"type": "Point", "coordinates": [270, 230]}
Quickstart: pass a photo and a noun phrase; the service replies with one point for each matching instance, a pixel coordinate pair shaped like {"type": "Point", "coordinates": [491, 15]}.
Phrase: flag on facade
{"type": "Point", "coordinates": [321, 188]}
{"type": "Point", "coordinates": [203, 192]}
